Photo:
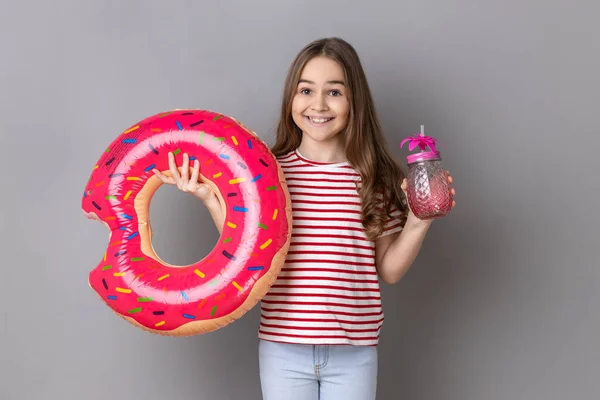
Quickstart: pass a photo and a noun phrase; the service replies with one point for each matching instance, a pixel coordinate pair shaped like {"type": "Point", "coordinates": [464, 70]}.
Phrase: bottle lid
{"type": "Point", "coordinates": [423, 156]}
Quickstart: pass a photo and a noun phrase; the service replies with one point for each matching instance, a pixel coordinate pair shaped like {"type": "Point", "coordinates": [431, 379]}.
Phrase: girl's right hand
{"type": "Point", "coordinates": [191, 184]}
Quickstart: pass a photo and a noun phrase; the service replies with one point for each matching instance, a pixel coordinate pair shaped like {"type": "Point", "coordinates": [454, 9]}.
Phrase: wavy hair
{"type": "Point", "coordinates": [365, 145]}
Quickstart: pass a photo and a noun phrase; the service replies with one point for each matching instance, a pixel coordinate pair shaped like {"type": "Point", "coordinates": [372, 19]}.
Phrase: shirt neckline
{"type": "Point", "coordinates": [318, 163]}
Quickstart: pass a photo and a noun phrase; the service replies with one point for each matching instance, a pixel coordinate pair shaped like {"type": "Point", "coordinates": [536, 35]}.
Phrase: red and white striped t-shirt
{"type": "Point", "coordinates": [328, 288]}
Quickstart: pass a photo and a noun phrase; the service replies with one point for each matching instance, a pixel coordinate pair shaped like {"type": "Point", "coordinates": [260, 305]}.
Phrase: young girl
{"type": "Point", "coordinates": [320, 321]}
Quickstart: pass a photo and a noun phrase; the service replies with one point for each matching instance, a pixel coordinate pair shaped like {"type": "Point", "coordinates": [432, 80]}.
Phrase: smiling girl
{"type": "Point", "coordinates": [321, 320]}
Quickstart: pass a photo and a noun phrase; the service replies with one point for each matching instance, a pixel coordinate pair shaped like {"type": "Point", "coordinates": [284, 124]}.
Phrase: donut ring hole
{"type": "Point", "coordinates": [142, 207]}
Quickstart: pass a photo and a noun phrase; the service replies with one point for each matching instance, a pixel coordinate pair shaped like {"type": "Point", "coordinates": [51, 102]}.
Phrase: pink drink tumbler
{"type": "Point", "coordinates": [428, 188]}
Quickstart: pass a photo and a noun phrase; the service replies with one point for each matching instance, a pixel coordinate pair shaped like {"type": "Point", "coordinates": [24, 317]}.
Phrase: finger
{"type": "Point", "coordinates": [185, 169]}
{"type": "Point", "coordinates": [173, 169]}
{"type": "Point", "coordinates": [403, 186]}
{"type": "Point", "coordinates": [195, 172]}
{"type": "Point", "coordinates": [453, 191]}
{"type": "Point", "coordinates": [450, 179]}
{"type": "Point", "coordinates": [453, 204]}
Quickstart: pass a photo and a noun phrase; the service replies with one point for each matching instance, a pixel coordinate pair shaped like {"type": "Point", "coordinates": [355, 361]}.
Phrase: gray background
{"type": "Point", "coordinates": [501, 304]}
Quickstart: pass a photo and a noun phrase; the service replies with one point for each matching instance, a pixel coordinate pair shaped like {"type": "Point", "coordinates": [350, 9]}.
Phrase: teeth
{"type": "Point", "coordinates": [319, 120]}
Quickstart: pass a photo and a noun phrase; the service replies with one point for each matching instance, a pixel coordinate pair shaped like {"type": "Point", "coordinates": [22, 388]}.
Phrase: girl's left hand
{"type": "Point", "coordinates": [412, 216]}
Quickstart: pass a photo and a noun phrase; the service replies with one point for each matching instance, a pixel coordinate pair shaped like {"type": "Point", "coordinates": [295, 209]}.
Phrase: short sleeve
{"type": "Point", "coordinates": [393, 224]}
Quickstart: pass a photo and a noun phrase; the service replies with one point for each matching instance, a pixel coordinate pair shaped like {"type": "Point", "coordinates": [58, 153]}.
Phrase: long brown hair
{"type": "Point", "coordinates": [365, 145]}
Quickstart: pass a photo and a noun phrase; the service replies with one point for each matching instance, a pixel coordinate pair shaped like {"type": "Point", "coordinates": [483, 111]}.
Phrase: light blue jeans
{"type": "Point", "coordinates": [317, 372]}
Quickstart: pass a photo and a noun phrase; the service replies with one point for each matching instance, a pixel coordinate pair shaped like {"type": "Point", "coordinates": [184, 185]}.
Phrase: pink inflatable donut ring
{"type": "Point", "coordinates": [219, 289]}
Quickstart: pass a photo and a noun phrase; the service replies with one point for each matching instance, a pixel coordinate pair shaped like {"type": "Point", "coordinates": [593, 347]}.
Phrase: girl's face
{"type": "Point", "coordinates": [321, 106]}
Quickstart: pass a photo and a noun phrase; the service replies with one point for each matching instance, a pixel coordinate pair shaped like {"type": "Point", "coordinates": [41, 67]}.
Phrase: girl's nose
{"type": "Point", "coordinates": [320, 103]}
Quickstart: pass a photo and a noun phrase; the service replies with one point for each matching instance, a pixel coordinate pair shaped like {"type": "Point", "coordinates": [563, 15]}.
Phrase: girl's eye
{"type": "Point", "coordinates": [305, 91]}
{"type": "Point", "coordinates": [336, 93]}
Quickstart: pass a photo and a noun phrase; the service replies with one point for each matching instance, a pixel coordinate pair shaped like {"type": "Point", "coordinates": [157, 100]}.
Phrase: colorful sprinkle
{"type": "Point", "coordinates": [158, 312]}
{"type": "Point", "coordinates": [261, 225]}
{"type": "Point", "coordinates": [121, 290]}
{"type": "Point", "coordinates": [229, 239]}
{"type": "Point", "coordinates": [263, 162]}
{"type": "Point", "coordinates": [242, 209]}
{"type": "Point", "coordinates": [256, 268]}
{"type": "Point", "coordinates": [217, 117]}
{"type": "Point", "coordinates": [156, 130]}
{"type": "Point", "coordinates": [257, 177]}
{"type": "Point", "coordinates": [218, 174]}
{"type": "Point", "coordinates": [161, 323]}
{"type": "Point", "coordinates": [145, 299]}
{"type": "Point", "coordinates": [136, 259]}
{"type": "Point", "coordinates": [185, 296]}
{"type": "Point", "coordinates": [96, 205]}
{"type": "Point", "coordinates": [193, 124]}
{"type": "Point", "coordinates": [219, 139]}
{"type": "Point", "coordinates": [224, 156]}
{"type": "Point", "coordinates": [164, 277]}
{"type": "Point", "coordinates": [179, 125]}
{"type": "Point", "coordinates": [133, 178]}
{"type": "Point", "coordinates": [104, 284]}
{"type": "Point", "coordinates": [111, 197]}
{"type": "Point", "coordinates": [106, 267]}
{"type": "Point", "coordinates": [231, 194]}
{"type": "Point", "coordinates": [129, 141]}
{"type": "Point", "coordinates": [271, 188]}
{"type": "Point", "coordinates": [115, 175]}
{"type": "Point", "coordinates": [228, 255]}
{"type": "Point", "coordinates": [127, 195]}
{"type": "Point", "coordinates": [235, 284]}
{"type": "Point", "coordinates": [134, 234]}
{"type": "Point", "coordinates": [275, 214]}
{"type": "Point", "coordinates": [234, 140]}
{"type": "Point", "coordinates": [202, 303]}
{"type": "Point", "coordinates": [210, 160]}
{"type": "Point", "coordinates": [249, 143]}
{"type": "Point", "coordinates": [121, 253]}
{"type": "Point", "coordinates": [231, 225]}
{"type": "Point", "coordinates": [266, 244]}
{"type": "Point", "coordinates": [213, 311]}
{"type": "Point", "coordinates": [199, 273]}
{"type": "Point", "coordinates": [112, 297]}
{"type": "Point", "coordinates": [152, 148]}
{"type": "Point", "coordinates": [241, 164]}
{"type": "Point", "coordinates": [99, 183]}
{"type": "Point", "coordinates": [150, 167]}
{"type": "Point", "coordinates": [189, 316]}
{"type": "Point", "coordinates": [135, 310]}
{"type": "Point", "coordinates": [126, 216]}
{"type": "Point", "coordinates": [131, 129]}
{"type": "Point", "coordinates": [236, 180]}
{"type": "Point", "coordinates": [110, 161]}
{"type": "Point", "coordinates": [176, 152]}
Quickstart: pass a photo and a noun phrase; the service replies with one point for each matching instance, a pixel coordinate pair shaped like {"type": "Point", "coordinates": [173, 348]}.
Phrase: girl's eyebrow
{"type": "Point", "coordinates": [334, 82]}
